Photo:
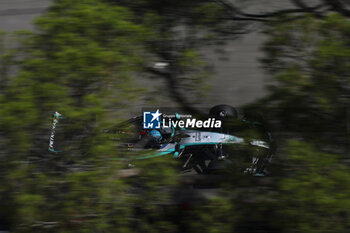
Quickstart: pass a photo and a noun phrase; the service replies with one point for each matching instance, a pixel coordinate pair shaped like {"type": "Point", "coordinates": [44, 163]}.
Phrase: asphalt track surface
{"type": "Point", "coordinates": [19, 14]}
{"type": "Point", "coordinates": [238, 78]}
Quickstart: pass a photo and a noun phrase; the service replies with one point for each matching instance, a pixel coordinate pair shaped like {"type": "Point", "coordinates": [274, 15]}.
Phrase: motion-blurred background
{"type": "Point", "coordinates": [100, 61]}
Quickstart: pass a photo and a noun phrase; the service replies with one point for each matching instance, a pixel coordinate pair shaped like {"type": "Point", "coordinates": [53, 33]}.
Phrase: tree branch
{"type": "Point", "coordinates": [338, 7]}
{"type": "Point", "coordinates": [240, 15]}
{"type": "Point", "coordinates": [172, 87]}
{"type": "Point", "coordinates": [239, 12]}
{"type": "Point", "coordinates": [302, 5]}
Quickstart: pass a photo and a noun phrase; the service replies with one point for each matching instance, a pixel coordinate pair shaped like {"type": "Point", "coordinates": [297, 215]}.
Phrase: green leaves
{"type": "Point", "coordinates": [314, 194]}
{"type": "Point", "coordinates": [79, 63]}
{"type": "Point", "coordinates": [309, 60]}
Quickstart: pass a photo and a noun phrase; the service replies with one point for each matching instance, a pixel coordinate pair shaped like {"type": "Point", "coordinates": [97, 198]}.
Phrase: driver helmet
{"type": "Point", "coordinates": [156, 135]}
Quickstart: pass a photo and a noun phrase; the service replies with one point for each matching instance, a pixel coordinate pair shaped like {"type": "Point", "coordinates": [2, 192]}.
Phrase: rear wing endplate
{"type": "Point", "coordinates": [56, 117]}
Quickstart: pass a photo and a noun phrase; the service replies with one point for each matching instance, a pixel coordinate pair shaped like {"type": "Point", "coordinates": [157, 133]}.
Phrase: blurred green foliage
{"type": "Point", "coordinates": [308, 100]}
{"type": "Point", "coordinates": [314, 193]}
{"type": "Point", "coordinates": [181, 30]}
{"type": "Point", "coordinates": [80, 62]}
{"type": "Point", "coordinates": [309, 62]}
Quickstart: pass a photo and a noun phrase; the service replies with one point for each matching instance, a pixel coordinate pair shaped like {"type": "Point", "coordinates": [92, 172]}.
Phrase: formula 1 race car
{"type": "Point", "coordinates": [242, 143]}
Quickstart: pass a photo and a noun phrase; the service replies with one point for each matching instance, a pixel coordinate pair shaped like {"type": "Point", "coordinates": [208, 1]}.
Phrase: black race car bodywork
{"type": "Point", "coordinates": [244, 143]}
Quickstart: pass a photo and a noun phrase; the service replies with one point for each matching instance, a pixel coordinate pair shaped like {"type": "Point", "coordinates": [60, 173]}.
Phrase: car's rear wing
{"type": "Point", "coordinates": [52, 144]}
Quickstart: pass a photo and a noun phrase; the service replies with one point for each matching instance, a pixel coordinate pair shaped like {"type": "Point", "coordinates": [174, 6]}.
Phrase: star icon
{"type": "Point", "coordinates": [156, 115]}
